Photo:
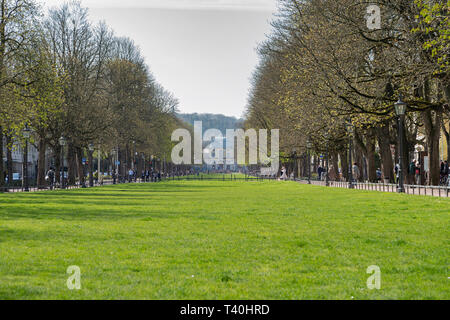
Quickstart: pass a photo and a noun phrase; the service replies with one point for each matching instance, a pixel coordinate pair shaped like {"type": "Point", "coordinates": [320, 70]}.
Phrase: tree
{"type": "Point", "coordinates": [16, 20]}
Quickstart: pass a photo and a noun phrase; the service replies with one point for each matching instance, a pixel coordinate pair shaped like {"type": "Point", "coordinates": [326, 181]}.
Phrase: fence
{"type": "Point", "coordinates": [434, 191]}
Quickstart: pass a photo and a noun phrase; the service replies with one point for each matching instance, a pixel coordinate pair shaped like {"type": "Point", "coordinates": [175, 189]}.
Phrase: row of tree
{"type": "Point", "coordinates": [61, 75]}
{"type": "Point", "coordinates": [325, 66]}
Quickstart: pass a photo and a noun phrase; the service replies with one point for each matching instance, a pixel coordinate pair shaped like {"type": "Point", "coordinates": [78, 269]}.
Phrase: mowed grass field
{"type": "Point", "coordinates": [223, 240]}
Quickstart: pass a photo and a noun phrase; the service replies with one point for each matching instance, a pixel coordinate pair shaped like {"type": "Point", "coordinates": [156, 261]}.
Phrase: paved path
{"type": "Point", "coordinates": [443, 192]}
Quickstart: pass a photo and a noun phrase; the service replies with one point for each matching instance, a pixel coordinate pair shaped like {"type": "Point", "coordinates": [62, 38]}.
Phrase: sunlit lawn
{"type": "Point", "coordinates": [223, 240]}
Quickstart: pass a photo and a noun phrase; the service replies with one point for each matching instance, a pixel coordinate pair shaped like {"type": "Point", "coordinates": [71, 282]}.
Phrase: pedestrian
{"type": "Point", "coordinates": [50, 177]}
{"type": "Point", "coordinates": [417, 173]}
{"type": "Point", "coordinates": [283, 174]}
{"type": "Point", "coordinates": [130, 175]}
{"type": "Point", "coordinates": [379, 174]}
{"type": "Point", "coordinates": [412, 171]}
{"type": "Point", "coordinates": [396, 172]}
{"type": "Point", "coordinates": [319, 172]}
{"type": "Point", "coordinates": [447, 173]}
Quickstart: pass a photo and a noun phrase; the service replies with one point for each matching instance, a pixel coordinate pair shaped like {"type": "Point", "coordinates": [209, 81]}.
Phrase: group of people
{"type": "Point", "coordinates": [414, 172]}
{"type": "Point", "coordinates": [146, 175]}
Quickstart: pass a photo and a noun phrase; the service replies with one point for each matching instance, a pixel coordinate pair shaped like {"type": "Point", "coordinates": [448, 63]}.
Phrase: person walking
{"type": "Point", "coordinates": [51, 177]}
{"type": "Point", "coordinates": [417, 173]}
{"type": "Point", "coordinates": [447, 173]}
{"type": "Point", "coordinates": [130, 175]}
{"type": "Point", "coordinates": [319, 172]}
{"type": "Point", "coordinates": [283, 174]}
{"type": "Point", "coordinates": [412, 171]}
{"type": "Point", "coordinates": [379, 175]}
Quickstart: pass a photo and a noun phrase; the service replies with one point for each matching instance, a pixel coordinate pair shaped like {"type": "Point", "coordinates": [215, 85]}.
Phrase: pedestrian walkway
{"type": "Point", "coordinates": [381, 187]}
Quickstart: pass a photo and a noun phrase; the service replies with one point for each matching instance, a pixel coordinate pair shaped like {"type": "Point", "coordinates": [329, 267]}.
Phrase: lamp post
{"type": "Point", "coordinates": [308, 154]}
{"type": "Point", "coordinates": [99, 165]}
{"type": "Point", "coordinates": [400, 110]}
{"type": "Point", "coordinates": [91, 166]}
{"type": "Point", "coordinates": [134, 156]}
{"type": "Point", "coordinates": [62, 143]}
{"type": "Point", "coordinates": [327, 177]}
{"type": "Point", "coordinates": [26, 134]}
{"type": "Point", "coordinates": [350, 151]}
{"type": "Point", "coordinates": [137, 163]}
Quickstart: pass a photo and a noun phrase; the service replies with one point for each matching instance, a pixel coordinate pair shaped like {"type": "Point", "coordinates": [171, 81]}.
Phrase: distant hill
{"type": "Point", "coordinates": [212, 121]}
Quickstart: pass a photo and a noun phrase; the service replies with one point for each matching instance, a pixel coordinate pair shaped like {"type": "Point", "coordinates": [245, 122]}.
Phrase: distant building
{"type": "Point", "coordinates": [17, 160]}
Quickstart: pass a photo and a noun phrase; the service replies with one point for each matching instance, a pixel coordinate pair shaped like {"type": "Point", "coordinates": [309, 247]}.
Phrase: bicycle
{"type": "Point", "coordinates": [444, 180]}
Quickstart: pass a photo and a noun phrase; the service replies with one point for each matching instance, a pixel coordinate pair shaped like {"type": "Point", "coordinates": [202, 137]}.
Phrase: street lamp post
{"type": "Point", "coordinates": [350, 151]}
{"type": "Point", "coordinates": [308, 154]}
{"type": "Point", "coordinates": [62, 143]}
{"type": "Point", "coordinates": [26, 134]}
{"type": "Point", "coordinates": [136, 160]}
{"type": "Point", "coordinates": [133, 164]}
{"type": "Point", "coordinates": [91, 166]}
{"type": "Point", "coordinates": [400, 109]}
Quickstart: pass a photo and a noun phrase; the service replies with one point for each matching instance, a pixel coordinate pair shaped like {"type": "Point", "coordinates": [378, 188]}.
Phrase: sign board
{"type": "Point", "coordinates": [117, 163]}
{"type": "Point", "coordinates": [16, 176]}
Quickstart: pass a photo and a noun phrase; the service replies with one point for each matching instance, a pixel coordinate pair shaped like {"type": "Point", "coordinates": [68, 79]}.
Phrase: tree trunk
{"type": "Point", "coordinates": [344, 165]}
{"type": "Point", "coordinates": [433, 135]}
{"type": "Point", "coordinates": [57, 152]}
{"type": "Point", "coordinates": [2, 169]}
{"type": "Point", "coordinates": [41, 163]}
{"type": "Point", "coordinates": [448, 147]}
{"type": "Point", "coordinates": [383, 137]}
{"type": "Point", "coordinates": [447, 138]}
{"type": "Point", "coordinates": [371, 165]}
{"type": "Point", "coordinates": [80, 166]}
{"type": "Point", "coordinates": [358, 159]}
{"type": "Point", "coordinates": [9, 167]}
{"type": "Point", "coordinates": [432, 121]}
{"type": "Point", "coordinates": [72, 165]}
{"type": "Point", "coordinates": [335, 163]}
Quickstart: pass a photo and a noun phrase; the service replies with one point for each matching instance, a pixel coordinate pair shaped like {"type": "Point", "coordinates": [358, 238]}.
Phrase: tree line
{"type": "Point", "coordinates": [63, 76]}
{"type": "Point", "coordinates": [322, 68]}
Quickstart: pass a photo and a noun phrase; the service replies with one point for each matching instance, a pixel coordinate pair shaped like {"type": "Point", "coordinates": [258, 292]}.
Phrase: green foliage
{"type": "Point", "coordinates": [434, 24]}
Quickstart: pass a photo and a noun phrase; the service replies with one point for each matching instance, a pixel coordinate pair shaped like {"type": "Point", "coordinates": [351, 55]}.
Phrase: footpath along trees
{"type": "Point", "coordinates": [334, 69]}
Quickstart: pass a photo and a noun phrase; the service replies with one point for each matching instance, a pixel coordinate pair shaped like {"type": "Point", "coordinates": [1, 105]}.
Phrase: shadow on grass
{"type": "Point", "coordinates": [86, 213]}
{"type": "Point", "coordinates": [25, 235]}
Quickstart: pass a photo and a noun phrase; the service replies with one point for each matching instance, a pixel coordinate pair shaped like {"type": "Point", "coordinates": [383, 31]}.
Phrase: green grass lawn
{"type": "Point", "coordinates": [223, 240]}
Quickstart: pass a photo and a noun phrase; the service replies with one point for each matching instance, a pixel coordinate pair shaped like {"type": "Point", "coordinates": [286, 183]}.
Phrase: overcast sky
{"type": "Point", "coordinates": [201, 50]}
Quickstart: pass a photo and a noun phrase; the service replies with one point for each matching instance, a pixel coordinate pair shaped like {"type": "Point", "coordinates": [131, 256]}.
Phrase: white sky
{"type": "Point", "coordinates": [201, 50]}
